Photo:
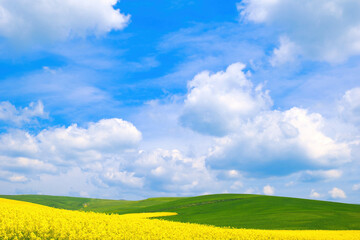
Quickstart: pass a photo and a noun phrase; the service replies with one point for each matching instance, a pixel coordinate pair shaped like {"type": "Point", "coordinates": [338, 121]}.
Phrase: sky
{"type": "Point", "coordinates": [137, 99]}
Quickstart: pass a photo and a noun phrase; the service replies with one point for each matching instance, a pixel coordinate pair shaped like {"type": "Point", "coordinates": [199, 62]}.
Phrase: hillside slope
{"type": "Point", "coordinates": [89, 204]}
{"type": "Point", "coordinates": [233, 210]}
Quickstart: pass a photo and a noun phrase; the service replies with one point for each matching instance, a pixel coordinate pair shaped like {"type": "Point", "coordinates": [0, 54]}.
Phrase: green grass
{"type": "Point", "coordinates": [263, 212]}
{"type": "Point", "coordinates": [89, 204]}
{"type": "Point", "coordinates": [232, 210]}
{"type": "Point", "coordinates": [70, 203]}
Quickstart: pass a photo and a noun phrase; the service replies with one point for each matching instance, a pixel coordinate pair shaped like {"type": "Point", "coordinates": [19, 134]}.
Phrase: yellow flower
{"type": "Point", "coordinates": [22, 220]}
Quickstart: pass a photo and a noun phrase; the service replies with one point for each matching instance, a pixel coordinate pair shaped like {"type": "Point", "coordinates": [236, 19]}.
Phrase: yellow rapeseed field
{"type": "Point", "coordinates": [21, 220]}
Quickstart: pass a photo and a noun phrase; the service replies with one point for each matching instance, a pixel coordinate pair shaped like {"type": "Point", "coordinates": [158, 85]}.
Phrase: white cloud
{"type": "Point", "coordinates": [233, 174]}
{"type": "Point", "coordinates": [217, 103]}
{"type": "Point", "coordinates": [28, 164]}
{"type": "Point", "coordinates": [102, 139]}
{"type": "Point", "coordinates": [286, 52]}
{"type": "Point", "coordinates": [236, 185]}
{"type": "Point", "coordinates": [18, 143]}
{"type": "Point", "coordinates": [314, 194]}
{"type": "Point", "coordinates": [317, 175]}
{"type": "Point", "coordinates": [327, 30]}
{"type": "Point", "coordinates": [268, 190]}
{"type": "Point", "coordinates": [349, 106]}
{"type": "Point", "coordinates": [106, 152]}
{"type": "Point", "coordinates": [18, 178]}
{"type": "Point", "coordinates": [23, 169]}
{"type": "Point", "coordinates": [12, 177]}
{"type": "Point", "coordinates": [171, 171]}
{"type": "Point", "coordinates": [337, 193]}
{"type": "Point", "coordinates": [162, 171]}
{"type": "Point", "coordinates": [57, 149]}
{"type": "Point", "coordinates": [106, 136]}
{"type": "Point", "coordinates": [256, 10]}
{"type": "Point", "coordinates": [251, 137]}
{"type": "Point", "coordinates": [279, 143]}
{"type": "Point", "coordinates": [56, 20]}
{"type": "Point", "coordinates": [18, 116]}
{"type": "Point", "coordinates": [116, 177]}
{"type": "Point", "coordinates": [356, 187]}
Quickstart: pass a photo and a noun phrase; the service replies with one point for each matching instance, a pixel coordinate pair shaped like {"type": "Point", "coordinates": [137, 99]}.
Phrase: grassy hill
{"type": "Point", "coordinates": [233, 210]}
{"type": "Point", "coordinates": [89, 204]}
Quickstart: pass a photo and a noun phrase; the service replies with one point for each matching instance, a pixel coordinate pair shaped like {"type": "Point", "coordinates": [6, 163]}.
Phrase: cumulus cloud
{"type": "Point", "coordinates": [18, 116]}
{"type": "Point", "coordinates": [162, 171]}
{"type": "Point", "coordinates": [268, 190]}
{"type": "Point", "coordinates": [286, 52]}
{"type": "Point", "coordinates": [107, 152]}
{"type": "Point", "coordinates": [279, 143]}
{"type": "Point", "coordinates": [56, 20]}
{"type": "Point", "coordinates": [172, 171]}
{"type": "Point", "coordinates": [349, 106]}
{"type": "Point", "coordinates": [236, 185]}
{"type": "Point", "coordinates": [314, 194]}
{"type": "Point", "coordinates": [326, 30]}
{"type": "Point", "coordinates": [249, 135]}
{"type": "Point", "coordinates": [12, 177]}
{"type": "Point", "coordinates": [114, 177]}
{"type": "Point", "coordinates": [217, 103]}
{"type": "Point", "coordinates": [233, 174]}
{"type": "Point", "coordinates": [23, 169]}
{"type": "Point", "coordinates": [18, 178]}
{"type": "Point", "coordinates": [337, 193]}
{"type": "Point", "coordinates": [105, 136]}
{"type": "Point", "coordinates": [18, 143]}
{"type": "Point", "coordinates": [56, 149]}
{"type": "Point", "coordinates": [26, 165]}
{"type": "Point", "coordinates": [318, 175]}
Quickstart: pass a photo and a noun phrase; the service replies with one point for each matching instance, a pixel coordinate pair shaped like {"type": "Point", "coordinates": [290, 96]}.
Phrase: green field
{"type": "Point", "coordinates": [233, 210]}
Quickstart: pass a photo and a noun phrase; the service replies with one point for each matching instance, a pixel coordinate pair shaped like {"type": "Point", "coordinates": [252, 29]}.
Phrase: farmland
{"type": "Point", "coordinates": [21, 220]}
{"type": "Point", "coordinates": [224, 210]}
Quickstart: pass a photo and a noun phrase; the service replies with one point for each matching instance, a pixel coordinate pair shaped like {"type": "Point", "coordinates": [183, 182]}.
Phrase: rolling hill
{"type": "Point", "coordinates": [231, 210]}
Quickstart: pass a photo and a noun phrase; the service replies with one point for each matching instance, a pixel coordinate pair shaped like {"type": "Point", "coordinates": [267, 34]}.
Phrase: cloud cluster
{"type": "Point", "coordinates": [285, 53]}
{"type": "Point", "coordinates": [314, 194]}
{"type": "Point", "coordinates": [326, 30]}
{"type": "Point", "coordinates": [318, 175]}
{"type": "Point", "coordinates": [26, 156]}
{"type": "Point", "coordinates": [279, 143]}
{"type": "Point", "coordinates": [18, 116]}
{"type": "Point", "coordinates": [107, 154]}
{"type": "Point", "coordinates": [218, 103]}
{"type": "Point", "coordinates": [161, 171]}
{"type": "Point", "coordinates": [249, 135]}
{"type": "Point", "coordinates": [104, 136]}
{"type": "Point", "coordinates": [349, 106]}
{"type": "Point", "coordinates": [268, 190]}
{"type": "Point", "coordinates": [247, 138]}
{"type": "Point", "coordinates": [27, 22]}
{"type": "Point", "coordinates": [337, 193]}
{"type": "Point", "coordinates": [115, 177]}
{"type": "Point", "coordinates": [237, 139]}
{"type": "Point", "coordinates": [172, 171]}
{"type": "Point", "coordinates": [334, 193]}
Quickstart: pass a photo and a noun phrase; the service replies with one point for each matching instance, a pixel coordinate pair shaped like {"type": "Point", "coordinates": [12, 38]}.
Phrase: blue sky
{"type": "Point", "coordinates": [128, 99]}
